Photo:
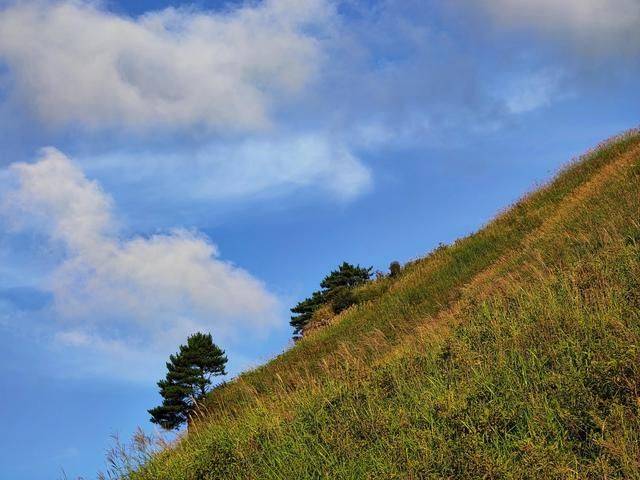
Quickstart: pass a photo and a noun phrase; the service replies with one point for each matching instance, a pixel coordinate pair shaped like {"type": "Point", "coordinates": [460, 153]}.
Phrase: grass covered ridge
{"type": "Point", "coordinates": [513, 353]}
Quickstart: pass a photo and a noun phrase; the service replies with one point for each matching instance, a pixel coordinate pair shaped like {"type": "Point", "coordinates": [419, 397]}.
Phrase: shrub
{"type": "Point", "coordinates": [394, 269]}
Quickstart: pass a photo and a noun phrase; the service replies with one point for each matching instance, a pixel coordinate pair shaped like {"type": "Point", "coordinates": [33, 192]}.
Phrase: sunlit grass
{"type": "Point", "coordinates": [513, 353]}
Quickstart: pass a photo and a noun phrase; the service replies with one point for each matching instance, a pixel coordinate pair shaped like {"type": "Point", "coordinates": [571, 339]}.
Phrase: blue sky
{"type": "Point", "coordinates": [167, 167]}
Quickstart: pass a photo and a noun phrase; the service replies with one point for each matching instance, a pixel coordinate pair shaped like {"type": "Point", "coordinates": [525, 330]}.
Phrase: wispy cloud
{"type": "Point", "coordinates": [529, 92]}
{"type": "Point", "coordinates": [74, 62]}
{"type": "Point", "coordinates": [232, 171]}
{"type": "Point", "coordinates": [128, 298]}
{"type": "Point", "coordinates": [600, 27]}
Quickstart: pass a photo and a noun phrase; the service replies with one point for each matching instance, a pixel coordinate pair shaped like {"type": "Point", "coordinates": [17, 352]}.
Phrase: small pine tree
{"type": "Point", "coordinates": [336, 290]}
{"type": "Point", "coordinates": [189, 374]}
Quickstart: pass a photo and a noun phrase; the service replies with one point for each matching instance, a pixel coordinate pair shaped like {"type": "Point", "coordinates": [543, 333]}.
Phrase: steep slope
{"type": "Point", "coordinates": [513, 353]}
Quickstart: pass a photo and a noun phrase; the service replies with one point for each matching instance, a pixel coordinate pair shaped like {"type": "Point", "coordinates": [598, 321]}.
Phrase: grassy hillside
{"type": "Point", "coordinates": [513, 353]}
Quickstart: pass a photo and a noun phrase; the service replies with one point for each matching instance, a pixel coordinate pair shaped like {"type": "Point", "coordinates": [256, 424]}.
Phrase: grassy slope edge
{"type": "Point", "coordinates": [513, 353]}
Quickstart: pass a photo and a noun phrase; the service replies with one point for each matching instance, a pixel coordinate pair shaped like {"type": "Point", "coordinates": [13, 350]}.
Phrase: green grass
{"type": "Point", "coordinates": [513, 353]}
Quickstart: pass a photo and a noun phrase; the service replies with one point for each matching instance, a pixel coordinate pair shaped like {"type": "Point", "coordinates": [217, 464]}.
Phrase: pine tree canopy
{"type": "Point", "coordinates": [336, 289]}
{"type": "Point", "coordinates": [347, 275]}
{"type": "Point", "coordinates": [189, 374]}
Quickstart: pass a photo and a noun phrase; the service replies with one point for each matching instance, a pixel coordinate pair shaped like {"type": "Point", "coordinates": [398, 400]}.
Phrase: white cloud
{"type": "Point", "coordinates": [128, 298]}
{"type": "Point", "coordinates": [260, 165]}
{"type": "Point", "coordinates": [73, 62]}
{"type": "Point", "coordinates": [236, 170]}
{"type": "Point", "coordinates": [596, 26]}
{"type": "Point", "coordinates": [533, 91]}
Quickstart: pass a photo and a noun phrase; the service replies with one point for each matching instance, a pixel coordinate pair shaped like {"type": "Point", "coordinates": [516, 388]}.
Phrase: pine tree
{"type": "Point", "coordinates": [189, 374]}
{"type": "Point", "coordinates": [339, 284]}
{"type": "Point", "coordinates": [337, 289]}
{"type": "Point", "coordinates": [347, 275]}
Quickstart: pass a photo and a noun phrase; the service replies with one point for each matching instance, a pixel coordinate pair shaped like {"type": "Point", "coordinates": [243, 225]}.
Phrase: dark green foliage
{"type": "Point", "coordinates": [342, 298]}
{"type": "Point", "coordinates": [338, 285]}
{"type": "Point", "coordinates": [394, 269]}
{"type": "Point", "coordinates": [336, 290]}
{"type": "Point", "coordinates": [189, 374]}
{"type": "Point", "coordinates": [304, 311]}
{"type": "Point", "coordinates": [347, 275]}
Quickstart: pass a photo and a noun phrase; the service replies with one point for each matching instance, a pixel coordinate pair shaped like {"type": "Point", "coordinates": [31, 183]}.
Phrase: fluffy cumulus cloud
{"type": "Point", "coordinates": [74, 62]}
{"type": "Point", "coordinates": [595, 26]}
{"type": "Point", "coordinates": [128, 298]}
